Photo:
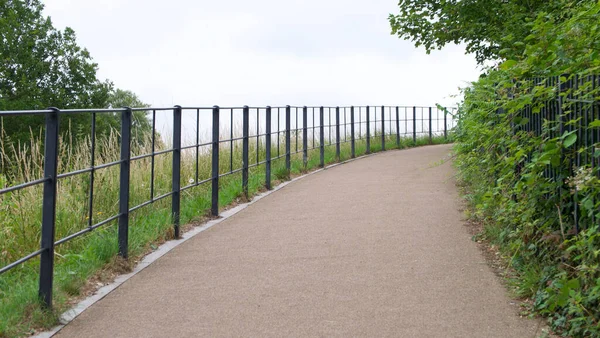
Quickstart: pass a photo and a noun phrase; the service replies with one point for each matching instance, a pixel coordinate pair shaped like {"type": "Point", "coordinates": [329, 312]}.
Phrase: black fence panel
{"type": "Point", "coordinates": [565, 108]}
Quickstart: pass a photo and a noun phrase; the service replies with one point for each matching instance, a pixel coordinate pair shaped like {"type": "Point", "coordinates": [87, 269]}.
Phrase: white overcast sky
{"type": "Point", "coordinates": [261, 52]}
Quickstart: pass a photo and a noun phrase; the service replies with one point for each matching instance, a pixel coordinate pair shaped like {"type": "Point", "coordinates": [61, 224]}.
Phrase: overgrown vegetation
{"type": "Point", "coordinates": [87, 256]}
{"type": "Point", "coordinates": [503, 166]}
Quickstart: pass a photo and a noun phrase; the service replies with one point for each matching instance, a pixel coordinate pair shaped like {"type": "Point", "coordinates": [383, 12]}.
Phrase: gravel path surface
{"type": "Point", "coordinates": [372, 248]}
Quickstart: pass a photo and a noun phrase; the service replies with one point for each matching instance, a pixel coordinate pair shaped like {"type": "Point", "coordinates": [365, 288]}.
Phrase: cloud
{"type": "Point", "coordinates": [264, 52]}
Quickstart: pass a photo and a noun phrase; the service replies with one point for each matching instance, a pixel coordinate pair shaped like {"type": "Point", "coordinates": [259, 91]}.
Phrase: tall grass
{"type": "Point", "coordinates": [95, 253]}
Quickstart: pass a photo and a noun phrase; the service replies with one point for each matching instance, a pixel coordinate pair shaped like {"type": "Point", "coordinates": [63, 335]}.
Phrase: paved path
{"type": "Point", "coordinates": [372, 248]}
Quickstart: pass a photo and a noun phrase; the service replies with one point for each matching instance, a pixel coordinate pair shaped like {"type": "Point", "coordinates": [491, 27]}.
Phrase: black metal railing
{"type": "Point", "coordinates": [297, 129]}
{"type": "Point", "coordinates": [559, 108]}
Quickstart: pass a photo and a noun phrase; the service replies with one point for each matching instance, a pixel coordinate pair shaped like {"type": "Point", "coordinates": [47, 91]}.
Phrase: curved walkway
{"type": "Point", "coordinates": [372, 248]}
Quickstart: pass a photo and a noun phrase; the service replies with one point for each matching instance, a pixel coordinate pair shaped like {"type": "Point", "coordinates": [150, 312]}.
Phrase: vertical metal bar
{"type": "Point", "coordinates": [49, 208]}
{"type": "Point", "coordinates": [345, 125]}
{"type": "Point", "coordinates": [593, 140]}
{"type": "Point", "coordinates": [124, 182]}
{"type": "Point", "coordinates": [231, 142]}
{"type": "Point", "coordinates": [176, 172]}
{"type": "Point", "coordinates": [562, 87]}
{"type": "Point", "coordinates": [92, 172]}
{"type": "Point", "coordinates": [368, 132]}
{"type": "Point", "coordinates": [245, 146]}
{"type": "Point", "coordinates": [305, 136]}
{"type": "Point", "coordinates": [313, 128]}
{"type": "Point", "coordinates": [575, 160]}
{"type": "Point", "coordinates": [278, 131]}
{"type": "Point", "coordinates": [352, 137]}
{"type": "Point", "coordinates": [548, 109]}
{"type": "Point", "coordinates": [405, 120]}
{"type": "Point", "coordinates": [268, 149]}
{"type": "Point", "coordinates": [288, 123]}
{"type": "Point", "coordinates": [197, 144]}
{"type": "Point", "coordinates": [321, 137]}
{"type": "Point", "coordinates": [437, 119]}
{"type": "Point", "coordinates": [153, 155]}
{"type": "Point", "coordinates": [586, 112]}
{"type": "Point", "coordinates": [329, 123]}
{"type": "Point", "coordinates": [415, 125]}
{"type": "Point", "coordinates": [257, 137]}
{"type": "Point", "coordinates": [445, 124]}
{"type": "Point", "coordinates": [360, 122]}
{"type": "Point", "coordinates": [430, 131]}
{"type": "Point", "coordinates": [337, 133]}
{"type": "Point", "coordinates": [214, 210]}
{"type": "Point", "coordinates": [383, 128]}
{"type": "Point", "coordinates": [389, 120]}
{"type": "Point", "coordinates": [398, 127]}
{"type": "Point", "coordinates": [578, 110]}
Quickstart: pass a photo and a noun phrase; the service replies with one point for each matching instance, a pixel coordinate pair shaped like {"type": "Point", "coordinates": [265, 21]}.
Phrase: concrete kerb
{"type": "Point", "coordinates": [163, 249]}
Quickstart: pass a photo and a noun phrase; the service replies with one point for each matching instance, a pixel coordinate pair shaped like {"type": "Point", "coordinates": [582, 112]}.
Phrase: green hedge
{"type": "Point", "coordinates": [525, 182]}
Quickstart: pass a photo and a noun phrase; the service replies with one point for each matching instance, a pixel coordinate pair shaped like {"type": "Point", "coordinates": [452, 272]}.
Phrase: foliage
{"type": "Point", "coordinates": [491, 29]}
{"type": "Point", "coordinates": [503, 166]}
{"type": "Point", "coordinates": [140, 124]}
{"type": "Point", "coordinates": [44, 67]}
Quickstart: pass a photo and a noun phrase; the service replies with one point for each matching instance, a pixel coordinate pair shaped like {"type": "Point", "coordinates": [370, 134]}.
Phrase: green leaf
{"type": "Point", "coordinates": [587, 203]}
{"type": "Point", "coordinates": [508, 64]}
{"type": "Point", "coordinates": [570, 140]}
{"type": "Point", "coordinates": [573, 284]}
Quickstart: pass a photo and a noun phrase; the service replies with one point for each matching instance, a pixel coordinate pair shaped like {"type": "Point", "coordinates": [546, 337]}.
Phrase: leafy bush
{"type": "Point", "coordinates": [504, 165]}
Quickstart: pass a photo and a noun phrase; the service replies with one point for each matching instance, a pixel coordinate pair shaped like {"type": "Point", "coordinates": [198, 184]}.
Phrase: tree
{"type": "Point", "coordinates": [489, 28]}
{"type": "Point", "coordinates": [141, 126]}
{"type": "Point", "coordinates": [125, 98]}
{"type": "Point", "coordinates": [44, 67]}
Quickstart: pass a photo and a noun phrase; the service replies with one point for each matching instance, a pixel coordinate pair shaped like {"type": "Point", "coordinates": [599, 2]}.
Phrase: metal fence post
{"type": "Point", "coordinates": [415, 125]}
{"type": "Point", "coordinates": [214, 210]}
{"type": "Point", "coordinates": [445, 124]}
{"type": "Point", "coordinates": [176, 177]}
{"type": "Point", "coordinates": [383, 128]}
{"type": "Point", "coordinates": [49, 208]}
{"type": "Point", "coordinates": [245, 146]}
{"type": "Point", "coordinates": [268, 149]}
{"type": "Point", "coordinates": [337, 132]}
{"type": "Point", "coordinates": [352, 138]}
{"type": "Point", "coordinates": [398, 127]}
{"type": "Point", "coordinates": [368, 132]}
{"type": "Point", "coordinates": [124, 182]}
{"type": "Point", "coordinates": [288, 126]}
{"type": "Point", "coordinates": [305, 136]}
{"type": "Point", "coordinates": [322, 137]}
{"type": "Point", "coordinates": [430, 126]}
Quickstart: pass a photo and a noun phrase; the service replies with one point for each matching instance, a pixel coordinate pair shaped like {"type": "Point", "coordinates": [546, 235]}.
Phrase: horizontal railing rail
{"type": "Point", "coordinates": [281, 132]}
